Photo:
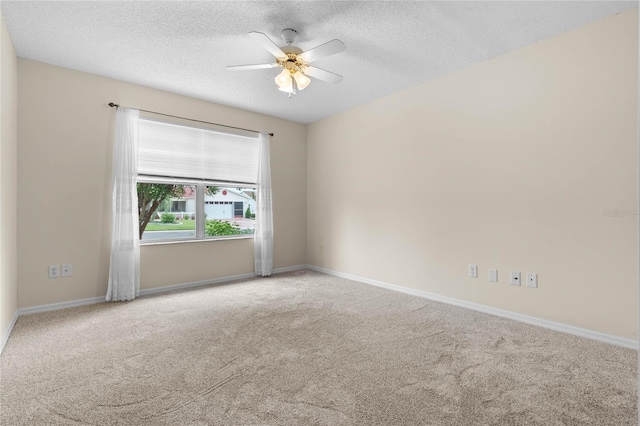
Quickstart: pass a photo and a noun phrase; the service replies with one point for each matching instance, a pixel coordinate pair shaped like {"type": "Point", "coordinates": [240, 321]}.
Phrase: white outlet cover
{"type": "Point", "coordinates": [54, 271]}
{"type": "Point", "coordinates": [515, 278]}
{"type": "Point", "coordinates": [493, 275]}
{"type": "Point", "coordinates": [532, 280]}
{"type": "Point", "coordinates": [66, 270]}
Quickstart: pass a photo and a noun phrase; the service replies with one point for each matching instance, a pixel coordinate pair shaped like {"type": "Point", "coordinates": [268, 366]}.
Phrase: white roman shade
{"type": "Point", "coordinates": [180, 152]}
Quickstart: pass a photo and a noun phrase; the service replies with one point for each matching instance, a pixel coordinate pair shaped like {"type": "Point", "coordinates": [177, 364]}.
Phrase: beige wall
{"type": "Point", "coordinates": [64, 185]}
{"type": "Point", "coordinates": [8, 180]}
{"type": "Point", "coordinates": [509, 164]}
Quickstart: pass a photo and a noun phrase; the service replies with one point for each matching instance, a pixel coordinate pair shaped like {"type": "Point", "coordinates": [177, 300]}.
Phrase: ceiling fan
{"type": "Point", "coordinates": [295, 63]}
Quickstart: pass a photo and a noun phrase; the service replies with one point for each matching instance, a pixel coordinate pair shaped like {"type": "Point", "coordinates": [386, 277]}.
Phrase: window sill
{"type": "Point", "coordinates": [204, 240]}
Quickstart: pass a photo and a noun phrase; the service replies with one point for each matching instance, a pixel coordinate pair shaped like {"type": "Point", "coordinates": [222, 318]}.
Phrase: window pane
{"type": "Point", "coordinates": [229, 211]}
{"type": "Point", "coordinates": [170, 211]}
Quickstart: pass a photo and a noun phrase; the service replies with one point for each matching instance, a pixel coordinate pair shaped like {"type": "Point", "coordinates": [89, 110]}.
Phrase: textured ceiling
{"type": "Point", "coordinates": [184, 47]}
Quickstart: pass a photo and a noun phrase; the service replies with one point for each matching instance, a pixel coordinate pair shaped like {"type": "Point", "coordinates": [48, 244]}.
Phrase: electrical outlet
{"type": "Point", "coordinates": [473, 271]}
{"type": "Point", "coordinates": [532, 280]}
{"type": "Point", "coordinates": [515, 278]}
{"type": "Point", "coordinates": [66, 270]}
{"type": "Point", "coordinates": [493, 275]}
{"type": "Point", "coordinates": [54, 271]}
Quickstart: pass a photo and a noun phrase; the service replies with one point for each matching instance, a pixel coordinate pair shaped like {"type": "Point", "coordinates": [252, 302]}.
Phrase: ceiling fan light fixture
{"type": "Point", "coordinates": [302, 81]}
{"type": "Point", "coordinates": [295, 62]}
{"type": "Point", "coordinates": [288, 89]}
{"type": "Point", "coordinates": [283, 79]}
{"type": "Point", "coordinates": [285, 83]}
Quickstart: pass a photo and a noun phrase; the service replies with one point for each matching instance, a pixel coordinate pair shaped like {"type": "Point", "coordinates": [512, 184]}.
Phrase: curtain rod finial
{"type": "Point", "coordinates": [111, 104]}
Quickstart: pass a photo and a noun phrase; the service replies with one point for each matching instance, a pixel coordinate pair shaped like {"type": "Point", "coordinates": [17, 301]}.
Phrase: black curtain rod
{"type": "Point", "coordinates": [111, 104]}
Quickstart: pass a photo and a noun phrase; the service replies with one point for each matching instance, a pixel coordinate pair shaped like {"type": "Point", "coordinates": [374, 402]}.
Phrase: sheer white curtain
{"type": "Point", "coordinates": [263, 241]}
{"type": "Point", "coordinates": [124, 272]}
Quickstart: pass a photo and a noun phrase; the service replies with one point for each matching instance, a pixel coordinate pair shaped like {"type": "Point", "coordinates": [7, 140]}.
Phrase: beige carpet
{"type": "Point", "coordinates": [305, 349]}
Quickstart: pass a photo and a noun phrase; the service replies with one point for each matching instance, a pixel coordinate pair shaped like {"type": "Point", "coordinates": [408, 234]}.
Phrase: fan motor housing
{"type": "Point", "coordinates": [291, 49]}
{"type": "Point", "coordinates": [292, 62]}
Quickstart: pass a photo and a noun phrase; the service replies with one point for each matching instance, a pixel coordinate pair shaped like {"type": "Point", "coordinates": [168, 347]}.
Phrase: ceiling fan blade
{"type": "Point", "coordinates": [250, 67]}
{"type": "Point", "coordinates": [329, 48]}
{"type": "Point", "coordinates": [266, 42]}
{"type": "Point", "coordinates": [323, 75]}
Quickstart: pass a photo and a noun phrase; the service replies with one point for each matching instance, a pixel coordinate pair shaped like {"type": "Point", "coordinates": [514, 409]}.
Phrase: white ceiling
{"type": "Point", "coordinates": [184, 47]}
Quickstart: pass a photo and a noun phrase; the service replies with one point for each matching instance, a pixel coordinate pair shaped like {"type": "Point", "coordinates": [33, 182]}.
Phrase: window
{"type": "Point", "coordinates": [170, 213]}
{"type": "Point", "coordinates": [178, 206]}
{"type": "Point", "coordinates": [195, 182]}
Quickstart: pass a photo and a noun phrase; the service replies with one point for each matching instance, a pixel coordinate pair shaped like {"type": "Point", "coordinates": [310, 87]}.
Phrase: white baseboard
{"type": "Point", "coordinates": [58, 306]}
{"type": "Point", "coordinates": [7, 333]}
{"type": "Point", "coordinates": [569, 329]}
{"type": "Point", "coordinates": [214, 281]}
{"type": "Point", "coordinates": [145, 292]}
{"type": "Point", "coordinates": [181, 286]}
{"type": "Point", "coordinates": [289, 269]}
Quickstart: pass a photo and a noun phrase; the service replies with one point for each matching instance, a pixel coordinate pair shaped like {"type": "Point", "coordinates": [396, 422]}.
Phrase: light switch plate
{"type": "Point", "coordinates": [473, 271]}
